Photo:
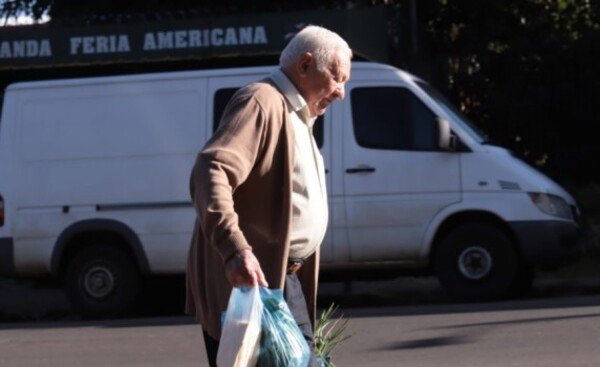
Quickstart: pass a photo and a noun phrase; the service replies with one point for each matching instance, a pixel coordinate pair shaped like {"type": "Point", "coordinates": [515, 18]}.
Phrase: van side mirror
{"type": "Point", "coordinates": [446, 141]}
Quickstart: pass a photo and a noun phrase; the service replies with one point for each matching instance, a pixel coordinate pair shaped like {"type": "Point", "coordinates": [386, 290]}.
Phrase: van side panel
{"type": "Point", "coordinates": [8, 169]}
{"type": "Point", "coordinates": [119, 151]}
{"type": "Point", "coordinates": [76, 143]}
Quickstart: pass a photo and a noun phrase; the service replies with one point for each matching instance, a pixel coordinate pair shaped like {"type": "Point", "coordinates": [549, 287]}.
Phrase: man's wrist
{"type": "Point", "coordinates": [235, 254]}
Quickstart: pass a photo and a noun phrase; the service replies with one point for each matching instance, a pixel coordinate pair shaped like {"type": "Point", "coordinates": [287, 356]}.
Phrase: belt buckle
{"type": "Point", "coordinates": [294, 266]}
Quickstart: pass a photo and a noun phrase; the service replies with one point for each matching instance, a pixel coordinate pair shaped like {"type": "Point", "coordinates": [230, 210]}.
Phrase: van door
{"type": "Point", "coordinates": [395, 177]}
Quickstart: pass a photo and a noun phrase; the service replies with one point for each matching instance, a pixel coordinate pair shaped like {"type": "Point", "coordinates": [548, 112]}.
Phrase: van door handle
{"type": "Point", "coordinates": [360, 169]}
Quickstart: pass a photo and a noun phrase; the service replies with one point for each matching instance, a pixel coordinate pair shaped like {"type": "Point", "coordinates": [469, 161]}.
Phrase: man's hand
{"type": "Point", "coordinates": [243, 270]}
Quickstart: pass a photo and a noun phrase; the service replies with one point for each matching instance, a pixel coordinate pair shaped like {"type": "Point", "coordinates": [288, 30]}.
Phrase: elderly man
{"type": "Point", "coordinates": [258, 187]}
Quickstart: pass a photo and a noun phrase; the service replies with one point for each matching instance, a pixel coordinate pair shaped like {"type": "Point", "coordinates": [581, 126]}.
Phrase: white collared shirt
{"type": "Point", "coordinates": [309, 194]}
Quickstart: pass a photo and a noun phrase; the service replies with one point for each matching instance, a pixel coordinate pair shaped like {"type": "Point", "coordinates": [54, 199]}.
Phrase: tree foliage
{"type": "Point", "coordinates": [526, 71]}
{"type": "Point", "coordinates": [34, 8]}
{"type": "Point", "coordinates": [111, 10]}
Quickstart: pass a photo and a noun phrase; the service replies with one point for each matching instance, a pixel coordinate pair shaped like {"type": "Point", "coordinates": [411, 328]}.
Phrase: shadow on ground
{"type": "Point", "coordinates": [23, 300]}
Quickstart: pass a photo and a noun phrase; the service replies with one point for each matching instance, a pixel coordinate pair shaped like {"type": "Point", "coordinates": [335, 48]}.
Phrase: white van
{"type": "Point", "coordinates": [94, 185]}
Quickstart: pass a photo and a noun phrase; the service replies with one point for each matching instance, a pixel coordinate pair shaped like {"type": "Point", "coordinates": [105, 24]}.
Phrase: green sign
{"type": "Point", "coordinates": [252, 34]}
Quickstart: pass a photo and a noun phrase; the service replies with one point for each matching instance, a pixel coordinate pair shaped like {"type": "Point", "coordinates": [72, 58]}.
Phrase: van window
{"type": "Point", "coordinates": [318, 131]}
{"type": "Point", "coordinates": [222, 96]}
{"type": "Point", "coordinates": [392, 118]}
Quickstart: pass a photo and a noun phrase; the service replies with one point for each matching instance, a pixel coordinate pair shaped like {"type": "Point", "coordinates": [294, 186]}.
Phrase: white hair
{"type": "Point", "coordinates": [320, 42]}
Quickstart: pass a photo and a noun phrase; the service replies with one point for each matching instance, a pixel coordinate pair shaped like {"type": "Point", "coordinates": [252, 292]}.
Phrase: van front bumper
{"type": "Point", "coordinates": [549, 244]}
{"type": "Point", "coordinates": [7, 263]}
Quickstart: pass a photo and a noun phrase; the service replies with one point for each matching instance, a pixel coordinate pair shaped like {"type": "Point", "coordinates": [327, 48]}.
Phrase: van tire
{"type": "Point", "coordinates": [102, 281]}
{"type": "Point", "coordinates": [476, 262]}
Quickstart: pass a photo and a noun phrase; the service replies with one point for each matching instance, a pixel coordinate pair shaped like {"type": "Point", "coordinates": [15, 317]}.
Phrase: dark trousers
{"type": "Point", "coordinates": [297, 304]}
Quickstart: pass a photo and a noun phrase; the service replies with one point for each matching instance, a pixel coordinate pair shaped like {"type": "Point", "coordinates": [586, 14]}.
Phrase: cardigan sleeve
{"type": "Point", "coordinates": [223, 165]}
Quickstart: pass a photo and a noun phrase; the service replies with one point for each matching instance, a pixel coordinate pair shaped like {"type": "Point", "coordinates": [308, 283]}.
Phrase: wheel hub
{"type": "Point", "coordinates": [98, 282]}
{"type": "Point", "coordinates": [475, 262]}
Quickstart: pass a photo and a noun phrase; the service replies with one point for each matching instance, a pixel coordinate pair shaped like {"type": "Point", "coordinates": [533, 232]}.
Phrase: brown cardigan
{"type": "Point", "coordinates": [241, 189]}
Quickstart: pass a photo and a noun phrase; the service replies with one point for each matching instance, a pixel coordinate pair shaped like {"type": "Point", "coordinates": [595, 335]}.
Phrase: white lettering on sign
{"type": "Point", "coordinates": [216, 37]}
{"type": "Point", "coordinates": [25, 48]}
{"type": "Point", "coordinates": [192, 38]}
{"type": "Point", "coordinates": [99, 44]}
{"type": "Point", "coordinates": [154, 40]}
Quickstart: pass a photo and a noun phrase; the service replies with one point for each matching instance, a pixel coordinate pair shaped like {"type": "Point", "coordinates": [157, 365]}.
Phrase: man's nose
{"type": "Point", "coordinates": [340, 92]}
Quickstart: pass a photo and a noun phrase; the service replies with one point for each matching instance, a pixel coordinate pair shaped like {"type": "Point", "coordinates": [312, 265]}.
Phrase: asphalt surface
{"type": "Point", "coordinates": [556, 326]}
{"type": "Point", "coordinates": [553, 332]}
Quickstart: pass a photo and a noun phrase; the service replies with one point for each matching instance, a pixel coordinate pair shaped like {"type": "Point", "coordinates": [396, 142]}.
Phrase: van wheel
{"type": "Point", "coordinates": [102, 281]}
{"type": "Point", "coordinates": [476, 262]}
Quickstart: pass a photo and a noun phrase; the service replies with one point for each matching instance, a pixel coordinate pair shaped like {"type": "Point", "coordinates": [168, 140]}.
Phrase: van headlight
{"type": "Point", "coordinates": [552, 205]}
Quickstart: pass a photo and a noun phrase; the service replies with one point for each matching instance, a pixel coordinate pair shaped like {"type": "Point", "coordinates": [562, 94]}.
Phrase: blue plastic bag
{"type": "Point", "coordinates": [240, 337]}
{"type": "Point", "coordinates": [282, 343]}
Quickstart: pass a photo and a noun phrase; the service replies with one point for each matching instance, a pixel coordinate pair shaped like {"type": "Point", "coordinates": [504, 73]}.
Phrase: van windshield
{"type": "Point", "coordinates": [454, 113]}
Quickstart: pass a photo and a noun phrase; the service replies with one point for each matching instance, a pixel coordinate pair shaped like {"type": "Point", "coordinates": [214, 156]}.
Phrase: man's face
{"type": "Point", "coordinates": [321, 88]}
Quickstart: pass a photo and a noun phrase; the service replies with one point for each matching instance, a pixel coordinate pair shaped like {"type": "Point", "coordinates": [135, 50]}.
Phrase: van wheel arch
{"type": "Point", "coordinates": [462, 218]}
{"type": "Point", "coordinates": [101, 280]}
{"type": "Point", "coordinates": [503, 243]}
{"type": "Point", "coordinates": [79, 234]}
{"type": "Point", "coordinates": [101, 264]}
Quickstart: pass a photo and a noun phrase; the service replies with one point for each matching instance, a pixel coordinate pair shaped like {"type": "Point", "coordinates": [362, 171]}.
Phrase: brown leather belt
{"type": "Point", "coordinates": [294, 265]}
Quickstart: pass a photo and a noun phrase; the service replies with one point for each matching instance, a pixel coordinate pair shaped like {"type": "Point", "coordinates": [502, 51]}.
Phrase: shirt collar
{"type": "Point", "coordinates": [292, 95]}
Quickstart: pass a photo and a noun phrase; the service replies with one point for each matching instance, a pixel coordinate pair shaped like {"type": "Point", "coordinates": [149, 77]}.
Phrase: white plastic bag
{"type": "Point", "coordinates": [240, 338]}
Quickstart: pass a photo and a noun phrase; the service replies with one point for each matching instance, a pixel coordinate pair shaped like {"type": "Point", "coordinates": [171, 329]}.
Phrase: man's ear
{"type": "Point", "coordinates": [304, 63]}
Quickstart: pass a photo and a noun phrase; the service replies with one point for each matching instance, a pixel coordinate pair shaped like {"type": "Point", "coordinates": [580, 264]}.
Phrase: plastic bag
{"type": "Point", "coordinates": [282, 343]}
{"type": "Point", "coordinates": [240, 337]}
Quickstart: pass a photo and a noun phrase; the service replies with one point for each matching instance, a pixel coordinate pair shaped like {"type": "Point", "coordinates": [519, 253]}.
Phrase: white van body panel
{"type": "Point", "coordinates": [506, 206]}
{"type": "Point", "coordinates": [496, 169]}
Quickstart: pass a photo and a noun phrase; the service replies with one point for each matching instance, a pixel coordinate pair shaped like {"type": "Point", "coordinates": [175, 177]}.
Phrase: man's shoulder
{"type": "Point", "coordinates": [264, 92]}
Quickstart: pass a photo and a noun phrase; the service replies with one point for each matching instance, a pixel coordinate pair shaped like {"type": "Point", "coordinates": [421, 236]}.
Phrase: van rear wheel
{"type": "Point", "coordinates": [476, 262]}
{"type": "Point", "coordinates": [102, 281]}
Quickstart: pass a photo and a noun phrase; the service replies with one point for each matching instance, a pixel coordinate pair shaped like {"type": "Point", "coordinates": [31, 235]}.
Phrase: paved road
{"type": "Point", "coordinates": [406, 322]}
{"type": "Point", "coordinates": [545, 332]}
{"type": "Point", "coordinates": [542, 332]}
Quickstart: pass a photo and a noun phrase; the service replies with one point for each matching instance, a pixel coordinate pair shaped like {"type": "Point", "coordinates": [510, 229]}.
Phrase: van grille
{"type": "Point", "coordinates": [507, 185]}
